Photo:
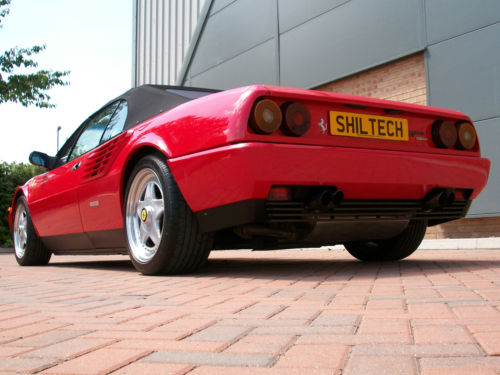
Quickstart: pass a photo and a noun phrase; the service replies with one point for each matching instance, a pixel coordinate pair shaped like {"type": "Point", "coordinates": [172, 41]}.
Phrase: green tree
{"type": "Point", "coordinates": [12, 175]}
{"type": "Point", "coordinates": [29, 88]}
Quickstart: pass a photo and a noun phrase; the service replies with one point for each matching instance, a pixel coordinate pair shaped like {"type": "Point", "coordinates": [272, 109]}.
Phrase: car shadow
{"type": "Point", "coordinates": [104, 265]}
{"type": "Point", "coordinates": [319, 269]}
{"type": "Point", "coordinates": [276, 268]}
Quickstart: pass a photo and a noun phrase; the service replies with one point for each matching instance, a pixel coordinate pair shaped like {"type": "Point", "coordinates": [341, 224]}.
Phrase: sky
{"type": "Point", "coordinates": [90, 38]}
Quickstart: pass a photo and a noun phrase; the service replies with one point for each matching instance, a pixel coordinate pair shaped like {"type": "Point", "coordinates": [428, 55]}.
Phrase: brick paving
{"type": "Point", "coordinates": [266, 313]}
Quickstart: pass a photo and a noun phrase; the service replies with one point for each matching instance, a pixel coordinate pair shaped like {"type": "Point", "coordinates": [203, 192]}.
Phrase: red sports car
{"type": "Point", "coordinates": [166, 174]}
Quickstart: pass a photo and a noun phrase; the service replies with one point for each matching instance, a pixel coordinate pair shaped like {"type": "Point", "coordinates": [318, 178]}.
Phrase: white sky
{"type": "Point", "coordinates": [92, 39]}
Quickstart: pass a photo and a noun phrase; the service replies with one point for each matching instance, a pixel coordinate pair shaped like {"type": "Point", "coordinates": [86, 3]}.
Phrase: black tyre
{"type": "Point", "coordinates": [396, 248]}
{"type": "Point", "coordinates": [28, 248]}
{"type": "Point", "coordinates": [162, 233]}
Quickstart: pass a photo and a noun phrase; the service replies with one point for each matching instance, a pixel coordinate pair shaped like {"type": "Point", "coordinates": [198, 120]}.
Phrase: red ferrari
{"type": "Point", "coordinates": [166, 174]}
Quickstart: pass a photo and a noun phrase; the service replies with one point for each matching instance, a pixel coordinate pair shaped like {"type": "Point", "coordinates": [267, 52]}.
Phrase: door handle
{"type": "Point", "coordinates": [76, 166]}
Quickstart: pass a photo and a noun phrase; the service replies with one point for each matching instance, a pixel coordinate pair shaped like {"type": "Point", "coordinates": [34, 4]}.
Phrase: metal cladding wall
{"type": "Point", "coordinates": [237, 46]}
{"type": "Point", "coordinates": [301, 43]}
{"type": "Point", "coordinates": [463, 73]}
{"type": "Point", "coordinates": [162, 32]}
{"type": "Point", "coordinates": [310, 43]}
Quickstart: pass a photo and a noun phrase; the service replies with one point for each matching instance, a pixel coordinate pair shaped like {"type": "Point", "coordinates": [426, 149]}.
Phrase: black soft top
{"type": "Point", "coordinates": [147, 101]}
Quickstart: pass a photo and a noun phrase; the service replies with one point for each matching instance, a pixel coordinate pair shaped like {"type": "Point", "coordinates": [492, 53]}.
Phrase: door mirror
{"type": "Point", "coordinates": [42, 160]}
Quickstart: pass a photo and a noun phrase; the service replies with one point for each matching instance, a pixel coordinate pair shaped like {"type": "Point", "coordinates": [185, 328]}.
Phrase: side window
{"type": "Point", "coordinates": [116, 123]}
{"type": "Point", "coordinates": [93, 131]}
{"type": "Point", "coordinates": [63, 153]}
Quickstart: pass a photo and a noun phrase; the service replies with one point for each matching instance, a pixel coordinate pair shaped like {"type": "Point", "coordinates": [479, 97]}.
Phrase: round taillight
{"type": "Point", "coordinates": [444, 134]}
{"type": "Point", "coordinates": [296, 119]}
{"type": "Point", "coordinates": [265, 117]}
{"type": "Point", "coordinates": [466, 135]}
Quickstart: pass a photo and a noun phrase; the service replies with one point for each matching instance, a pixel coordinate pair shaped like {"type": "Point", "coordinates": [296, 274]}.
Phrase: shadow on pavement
{"type": "Point", "coordinates": [289, 268]}
{"type": "Point", "coordinates": [105, 265]}
{"type": "Point", "coordinates": [298, 267]}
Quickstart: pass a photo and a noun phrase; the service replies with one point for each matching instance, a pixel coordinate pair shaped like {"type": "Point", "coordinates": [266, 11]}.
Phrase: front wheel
{"type": "Point", "coordinates": [28, 248]}
{"type": "Point", "coordinates": [162, 233]}
{"type": "Point", "coordinates": [396, 248]}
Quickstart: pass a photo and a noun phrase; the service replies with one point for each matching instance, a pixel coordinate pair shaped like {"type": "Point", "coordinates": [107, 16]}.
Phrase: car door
{"type": "Point", "coordinates": [54, 198]}
{"type": "Point", "coordinates": [99, 190]}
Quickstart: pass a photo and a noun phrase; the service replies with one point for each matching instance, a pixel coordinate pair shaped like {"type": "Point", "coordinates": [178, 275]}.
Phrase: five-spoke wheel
{"type": "Point", "coordinates": [20, 230]}
{"type": "Point", "coordinates": [144, 215]}
{"type": "Point", "coordinates": [162, 233]}
{"type": "Point", "coordinates": [28, 248]}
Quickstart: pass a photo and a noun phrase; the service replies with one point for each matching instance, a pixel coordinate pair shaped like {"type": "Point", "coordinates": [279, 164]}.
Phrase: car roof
{"type": "Point", "coordinates": [148, 101]}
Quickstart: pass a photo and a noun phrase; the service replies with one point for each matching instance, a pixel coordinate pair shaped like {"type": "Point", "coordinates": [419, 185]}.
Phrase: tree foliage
{"type": "Point", "coordinates": [25, 88]}
{"type": "Point", "coordinates": [12, 175]}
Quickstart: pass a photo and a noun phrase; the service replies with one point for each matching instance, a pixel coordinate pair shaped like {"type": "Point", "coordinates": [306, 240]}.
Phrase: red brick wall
{"type": "Point", "coordinates": [466, 228]}
{"type": "Point", "coordinates": [404, 80]}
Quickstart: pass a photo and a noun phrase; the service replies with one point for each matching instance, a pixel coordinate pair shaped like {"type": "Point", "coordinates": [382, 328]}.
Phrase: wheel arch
{"type": "Point", "coordinates": [137, 155]}
{"type": "Point", "coordinates": [18, 193]}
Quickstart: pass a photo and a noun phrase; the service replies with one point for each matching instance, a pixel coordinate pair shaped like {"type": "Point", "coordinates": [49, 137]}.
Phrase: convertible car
{"type": "Point", "coordinates": [166, 174]}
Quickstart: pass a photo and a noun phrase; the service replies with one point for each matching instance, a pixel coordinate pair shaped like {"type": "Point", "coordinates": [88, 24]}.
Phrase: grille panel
{"type": "Point", "coordinates": [364, 210]}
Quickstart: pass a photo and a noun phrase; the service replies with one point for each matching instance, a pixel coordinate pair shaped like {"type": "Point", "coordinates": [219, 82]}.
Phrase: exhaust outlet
{"type": "Point", "coordinates": [447, 198]}
{"type": "Point", "coordinates": [326, 199]}
{"type": "Point", "coordinates": [439, 198]}
{"type": "Point", "coordinates": [333, 198]}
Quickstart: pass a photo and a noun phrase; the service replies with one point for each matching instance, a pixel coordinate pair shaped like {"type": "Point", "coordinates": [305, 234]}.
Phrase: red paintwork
{"type": "Point", "coordinates": [216, 159]}
{"type": "Point", "coordinates": [247, 171]}
{"type": "Point", "coordinates": [53, 202]}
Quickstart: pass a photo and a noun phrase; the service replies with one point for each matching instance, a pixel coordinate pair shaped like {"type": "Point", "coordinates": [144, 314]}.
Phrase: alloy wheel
{"type": "Point", "coordinates": [20, 231]}
{"type": "Point", "coordinates": [145, 212]}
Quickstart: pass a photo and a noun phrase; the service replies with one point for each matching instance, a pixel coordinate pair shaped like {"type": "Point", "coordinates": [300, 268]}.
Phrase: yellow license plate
{"type": "Point", "coordinates": [368, 126]}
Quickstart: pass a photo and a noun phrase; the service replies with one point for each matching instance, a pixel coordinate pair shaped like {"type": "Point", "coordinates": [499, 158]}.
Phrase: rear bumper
{"type": "Point", "coordinates": [247, 171]}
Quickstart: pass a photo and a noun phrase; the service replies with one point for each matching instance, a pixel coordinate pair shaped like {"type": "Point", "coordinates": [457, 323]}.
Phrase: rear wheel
{"type": "Point", "coordinates": [162, 233]}
{"type": "Point", "coordinates": [28, 248]}
{"type": "Point", "coordinates": [396, 248]}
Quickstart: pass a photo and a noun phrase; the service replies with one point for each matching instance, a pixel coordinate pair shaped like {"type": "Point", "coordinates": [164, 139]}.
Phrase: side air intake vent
{"type": "Point", "coordinates": [99, 161]}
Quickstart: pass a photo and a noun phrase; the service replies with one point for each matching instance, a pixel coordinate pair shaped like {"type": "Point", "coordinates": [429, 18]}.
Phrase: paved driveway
{"type": "Point", "coordinates": [286, 312]}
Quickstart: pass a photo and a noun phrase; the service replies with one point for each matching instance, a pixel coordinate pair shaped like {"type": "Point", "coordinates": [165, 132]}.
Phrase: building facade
{"type": "Point", "coordinates": [442, 53]}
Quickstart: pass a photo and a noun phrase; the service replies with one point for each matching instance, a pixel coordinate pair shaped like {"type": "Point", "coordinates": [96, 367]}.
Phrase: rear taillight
{"type": "Point", "coordinates": [293, 118]}
{"type": "Point", "coordinates": [266, 117]}
{"type": "Point", "coordinates": [460, 135]}
{"type": "Point", "coordinates": [466, 135]}
{"type": "Point", "coordinates": [444, 134]}
{"type": "Point", "coordinates": [296, 119]}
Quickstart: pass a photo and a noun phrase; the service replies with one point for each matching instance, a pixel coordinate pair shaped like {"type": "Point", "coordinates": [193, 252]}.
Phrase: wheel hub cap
{"type": "Point", "coordinates": [144, 215]}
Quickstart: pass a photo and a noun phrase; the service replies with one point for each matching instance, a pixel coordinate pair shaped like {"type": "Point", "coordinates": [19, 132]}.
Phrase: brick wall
{"type": "Point", "coordinates": [404, 80]}
{"type": "Point", "coordinates": [466, 228]}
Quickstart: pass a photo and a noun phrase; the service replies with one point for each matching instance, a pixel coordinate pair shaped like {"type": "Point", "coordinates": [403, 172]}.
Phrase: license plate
{"type": "Point", "coordinates": [368, 126]}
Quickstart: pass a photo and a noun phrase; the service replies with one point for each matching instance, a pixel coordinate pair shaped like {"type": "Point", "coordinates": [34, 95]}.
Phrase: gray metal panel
{"type": "Point", "coordinates": [464, 73]}
{"type": "Point", "coordinates": [295, 12]}
{"type": "Point", "coordinates": [260, 68]}
{"type": "Point", "coordinates": [488, 203]}
{"type": "Point", "coordinates": [350, 38]}
{"type": "Point", "coordinates": [449, 18]}
{"type": "Point", "coordinates": [237, 28]}
{"type": "Point", "coordinates": [163, 31]}
{"type": "Point", "coordinates": [134, 42]}
{"type": "Point", "coordinates": [220, 4]}
{"type": "Point", "coordinates": [193, 44]}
